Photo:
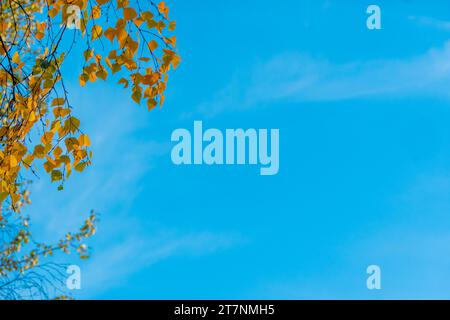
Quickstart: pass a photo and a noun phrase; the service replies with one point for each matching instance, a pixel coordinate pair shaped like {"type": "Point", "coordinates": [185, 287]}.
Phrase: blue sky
{"type": "Point", "coordinates": [364, 159]}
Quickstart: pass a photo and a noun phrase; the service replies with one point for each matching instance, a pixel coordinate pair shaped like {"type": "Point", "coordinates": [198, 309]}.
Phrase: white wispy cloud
{"type": "Point", "coordinates": [124, 157]}
{"type": "Point", "coordinates": [139, 252]}
{"type": "Point", "coordinates": [121, 160]}
{"type": "Point", "coordinates": [299, 77]}
{"type": "Point", "coordinates": [411, 247]}
{"type": "Point", "coordinates": [431, 22]}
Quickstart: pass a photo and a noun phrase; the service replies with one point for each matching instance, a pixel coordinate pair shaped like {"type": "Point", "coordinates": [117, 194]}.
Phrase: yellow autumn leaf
{"type": "Point", "coordinates": [84, 140]}
{"type": "Point", "coordinates": [58, 102]}
{"type": "Point", "coordinates": [16, 57]}
{"type": "Point", "coordinates": [137, 94]}
{"type": "Point", "coordinates": [124, 82]}
{"type": "Point", "coordinates": [96, 12]}
{"type": "Point", "coordinates": [153, 45]}
{"type": "Point", "coordinates": [129, 13]}
{"type": "Point", "coordinates": [96, 32]}
{"type": "Point", "coordinates": [110, 33]}
{"type": "Point", "coordinates": [12, 161]}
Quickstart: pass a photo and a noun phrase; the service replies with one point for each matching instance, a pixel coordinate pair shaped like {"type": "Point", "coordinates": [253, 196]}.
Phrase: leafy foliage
{"type": "Point", "coordinates": [39, 131]}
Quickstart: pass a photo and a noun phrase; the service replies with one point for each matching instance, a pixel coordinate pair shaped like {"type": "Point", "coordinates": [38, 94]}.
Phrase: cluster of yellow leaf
{"type": "Point", "coordinates": [38, 126]}
{"type": "Point", "coordinates": [8, 254]}
{"type": "Point", "coordinates": [32, 88]}
{"type": "Point", "coordinates": [139, 46]}
{"type": "Point", "coordinates": [62, 146]}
